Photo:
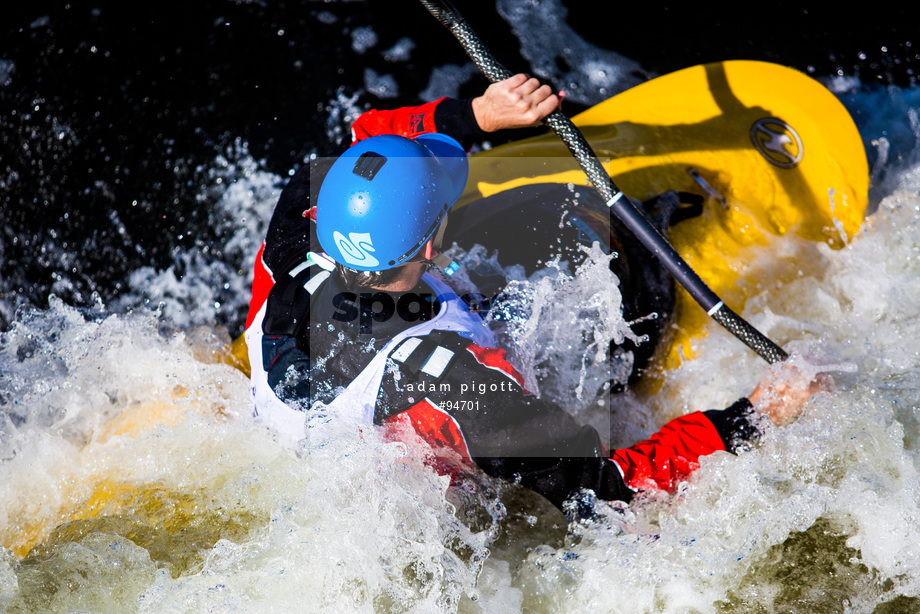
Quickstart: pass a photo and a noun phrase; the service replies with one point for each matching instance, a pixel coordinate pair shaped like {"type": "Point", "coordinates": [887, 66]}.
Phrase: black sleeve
{"type": "Point", "coordinates": [559, 478]}
{"type": "Point", "coordinates": [455, 118]}
{"type": "Point", "coordinates": [735, 424]}
{"type": "Point", "coordinates": [288, 369]}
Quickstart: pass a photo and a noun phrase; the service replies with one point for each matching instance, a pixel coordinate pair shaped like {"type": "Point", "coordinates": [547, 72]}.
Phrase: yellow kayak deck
{"type": "Point", "coordinates": [776, 151]}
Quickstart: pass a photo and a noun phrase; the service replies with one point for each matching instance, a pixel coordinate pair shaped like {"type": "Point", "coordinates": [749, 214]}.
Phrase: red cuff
{"type": "Point", "coordinates": [406, 121]}
{"type": "Point", "coordinates": [670, 455]}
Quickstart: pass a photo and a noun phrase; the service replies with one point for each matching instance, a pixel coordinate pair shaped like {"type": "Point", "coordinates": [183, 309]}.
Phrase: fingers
{"type": "Point", "coordinates": [516, 81]}
{"type": "Point", "coordinates": [530, 86]}
{"type": "Point", "coordinates": [823, 382]}
{"type": "Point", "coordinates": [782, 394]}
{"type": "Point", "coordinates": [532, 94]}
{"type": "Point", "coordinates": [549, 103]}
{"type": "Point", "coordinates": [517, 102]}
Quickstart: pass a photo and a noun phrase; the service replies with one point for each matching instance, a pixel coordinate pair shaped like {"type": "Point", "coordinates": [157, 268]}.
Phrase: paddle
{"type": "Point", "coordinates": [624, 208]}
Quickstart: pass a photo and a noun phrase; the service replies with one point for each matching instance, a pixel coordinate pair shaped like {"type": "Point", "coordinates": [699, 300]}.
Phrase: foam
{"type": "Point", "coordinates": [129, 461]}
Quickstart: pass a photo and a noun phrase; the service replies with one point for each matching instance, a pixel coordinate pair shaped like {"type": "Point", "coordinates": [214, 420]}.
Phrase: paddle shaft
{"type": "Point", "coordinates": [624, 208]}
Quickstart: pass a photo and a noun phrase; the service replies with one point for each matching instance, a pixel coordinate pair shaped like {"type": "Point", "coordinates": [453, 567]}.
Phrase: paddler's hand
{"type": "Point", "coordinates": [783, 393]}
{"type": "Point", "coordinates": [516, 102]}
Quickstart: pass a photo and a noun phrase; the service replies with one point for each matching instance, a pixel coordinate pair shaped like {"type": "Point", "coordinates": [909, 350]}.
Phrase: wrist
{"type": "Point", "coordinates": [479, 114]}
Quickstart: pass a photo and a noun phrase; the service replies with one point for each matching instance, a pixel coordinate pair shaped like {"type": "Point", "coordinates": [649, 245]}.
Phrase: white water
{"type": "Point", "coordinates": [129, 462]}
{"type": "Point", "coordinates": [229, 520]}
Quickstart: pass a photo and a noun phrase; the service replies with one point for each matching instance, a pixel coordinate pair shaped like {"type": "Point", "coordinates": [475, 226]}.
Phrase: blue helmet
{"type": "Point", "coordinates": [386, 196]}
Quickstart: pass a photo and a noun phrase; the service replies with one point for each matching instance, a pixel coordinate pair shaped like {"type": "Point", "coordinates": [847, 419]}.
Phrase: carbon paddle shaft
{"type": "Point", "coordinates": [624, 208]}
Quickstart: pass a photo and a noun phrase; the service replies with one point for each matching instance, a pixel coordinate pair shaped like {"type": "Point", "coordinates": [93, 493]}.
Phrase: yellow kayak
{"type": "Point", "coordinates": [772, 149]}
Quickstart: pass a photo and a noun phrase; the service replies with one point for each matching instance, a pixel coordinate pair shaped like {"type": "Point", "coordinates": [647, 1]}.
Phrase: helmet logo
{"type": "Point", "coordinates": [777, 142]}
{"type": "Point", "coordinates": [355, 248]}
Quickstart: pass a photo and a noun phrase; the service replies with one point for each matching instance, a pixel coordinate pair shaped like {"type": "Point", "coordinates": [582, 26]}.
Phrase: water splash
{"type": "Point", "coordinates": [116, 425]}
{"type": "Point", "coordinates": [587, 73]}
{"type": "Point", "coordinates": [159, 492]}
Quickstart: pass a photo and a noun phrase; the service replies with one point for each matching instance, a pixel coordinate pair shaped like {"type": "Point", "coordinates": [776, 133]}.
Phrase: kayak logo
{"type": "Point", "coordinates": [355, 248]}
{"type": "Point", "coordinates": [777, 141]}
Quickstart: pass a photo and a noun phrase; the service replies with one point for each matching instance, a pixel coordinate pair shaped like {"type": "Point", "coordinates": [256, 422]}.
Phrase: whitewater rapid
{"type": "Point", "coordinates": [133, 478]}
{"type": "Point", "coordinates": [130, 464]}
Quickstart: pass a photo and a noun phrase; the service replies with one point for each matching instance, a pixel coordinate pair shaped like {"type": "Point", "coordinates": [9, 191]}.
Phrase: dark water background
{"type": "Point", "coordinates": [112, 114]}
{"type": "Point", "coordinates": [125, 132]}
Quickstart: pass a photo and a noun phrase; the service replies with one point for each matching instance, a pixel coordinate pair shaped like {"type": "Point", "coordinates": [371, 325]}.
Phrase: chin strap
{"type": "Point", "coordinates": [445, 263]}
{"type": "Point", "coordinates": [442, 261]}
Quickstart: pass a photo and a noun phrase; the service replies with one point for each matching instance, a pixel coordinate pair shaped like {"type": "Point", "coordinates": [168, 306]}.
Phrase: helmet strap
{"type": "Point", "coordinates": [445, 263]}
{"type": "Point", "coordinates": [439, 235]}
{"type": "Point", "coordinates": [442, 261]}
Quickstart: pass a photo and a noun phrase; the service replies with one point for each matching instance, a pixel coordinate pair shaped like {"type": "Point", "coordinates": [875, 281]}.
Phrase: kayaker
{"type": "Point", "coordinates": [346, 317]}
